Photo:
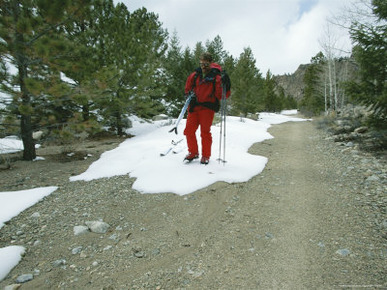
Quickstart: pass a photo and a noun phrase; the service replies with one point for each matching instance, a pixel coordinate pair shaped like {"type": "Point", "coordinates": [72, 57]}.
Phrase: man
{"type": "Point", "coordinates": [205, 82]}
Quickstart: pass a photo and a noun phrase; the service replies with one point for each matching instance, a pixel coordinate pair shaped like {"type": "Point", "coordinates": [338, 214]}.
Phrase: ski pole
{"type": "Point", "coordinates": [183, 110]}
{"type": "Point", "coordinates": [223, 108]}
{"type": "Point", "coordinates": [220, 133]}
{"type": "Point", "coordinates": [224, 130]}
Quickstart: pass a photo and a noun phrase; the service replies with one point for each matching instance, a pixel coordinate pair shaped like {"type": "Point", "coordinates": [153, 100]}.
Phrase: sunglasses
{"type": "Point", "coordinates": [205, 64]}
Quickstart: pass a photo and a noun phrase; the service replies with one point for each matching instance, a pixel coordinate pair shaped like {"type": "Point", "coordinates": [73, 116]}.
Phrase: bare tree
{"type": "Point", "coordinates": [328, 44]}
{"type": "Point", "coordinates": [333, 47]}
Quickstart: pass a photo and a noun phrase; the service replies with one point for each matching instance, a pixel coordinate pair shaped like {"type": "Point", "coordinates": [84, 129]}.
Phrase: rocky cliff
{"type": "Point", "coordinates": [293, 84]}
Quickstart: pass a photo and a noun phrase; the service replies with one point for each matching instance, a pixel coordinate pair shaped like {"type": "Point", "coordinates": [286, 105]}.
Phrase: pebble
{"type": "Point", "coordinates": [59, 263]}
{"type": "Point", "coordinates": [76, 250]}
{"type": "Point", "coordinates": [140, 254]}
{"type": "Point", "coordinates": [35, 215]}
{"type": "Point", "coordinates": [24, 278]}
{"type": "Point", "coordinates": [98, 227]}
{"type": "Point", "coordinates": [79, 230]}
{"type": "Point", "coordinates": [343, 252]}
{"type": "Point", "coordinates": [12, 287]}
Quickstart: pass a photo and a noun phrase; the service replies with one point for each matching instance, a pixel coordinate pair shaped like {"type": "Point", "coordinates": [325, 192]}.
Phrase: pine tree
{"type": "Point", "coordinates": [370, 53]}
{"type": "Point", "coordinates": [312, 102]}
{"type": "Point", "coordinates": [176, 76]}
{"type": "Point", "coordinates": [270, 97]}
{"type": "Point", "coordinates": [215, 47]}
{"type": "Point", "coordinates": [197, 52]}
{"type": "Point", "coordinates": [247, 85]}
{"type": "Point", "coordinates": [130, 49]}
{"type": "Point", "coordinates": [84, 33]}
{"type": "Point", "coordinates": [229, 65]}
{"type": "Point", "coordinates": [34, 44]}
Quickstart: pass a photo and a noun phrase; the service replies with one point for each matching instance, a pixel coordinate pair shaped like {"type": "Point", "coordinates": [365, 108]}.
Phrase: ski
{"type": "Point", "coordinates": [171, 148]}
{"type": "Point", "coordinates": [178, 149]}
{"type": "Point", "coordinates": [183, 110]}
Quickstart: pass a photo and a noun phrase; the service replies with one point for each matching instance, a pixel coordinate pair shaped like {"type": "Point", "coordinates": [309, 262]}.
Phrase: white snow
{"type": "Point", "coordinates": [66, 79]}
{"type": "Point", "coordinates": [12, 144]}
{"type": "Point", "coordinates": [139, 157]}
{"type": "Point", "coordinates": [11, 204]}
{"type": "Point", "coordinates": [9, 256]}
{"type": "Point", "coordinates": [14, 202]}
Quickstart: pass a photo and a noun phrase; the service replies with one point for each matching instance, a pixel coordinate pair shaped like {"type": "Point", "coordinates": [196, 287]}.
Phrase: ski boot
{"type": "Point", "coordinates": [205, 160]}
{"type": "Point", "coordinates": [191, 156]}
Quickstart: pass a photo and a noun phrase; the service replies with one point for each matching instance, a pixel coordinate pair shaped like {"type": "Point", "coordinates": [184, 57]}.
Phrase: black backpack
{"type": "Point", "coordinates": [226, 81]}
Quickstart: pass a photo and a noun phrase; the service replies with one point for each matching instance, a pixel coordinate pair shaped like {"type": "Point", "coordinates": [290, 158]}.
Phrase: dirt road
{"type": "Point", "coordinates": [301, 224]}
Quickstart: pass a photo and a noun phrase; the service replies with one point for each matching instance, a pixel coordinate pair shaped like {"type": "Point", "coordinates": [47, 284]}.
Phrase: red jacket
{"type": "Point", "coordinates": [204, 88]}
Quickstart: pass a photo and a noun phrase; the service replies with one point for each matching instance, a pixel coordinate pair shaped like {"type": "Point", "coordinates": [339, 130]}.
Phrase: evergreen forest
{"type": "Point", "coordinates": [74, 66]}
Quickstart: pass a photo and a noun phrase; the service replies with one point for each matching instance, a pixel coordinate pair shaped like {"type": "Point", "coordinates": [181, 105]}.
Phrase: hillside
{"type": "Point", "coordinates": [293, 84]}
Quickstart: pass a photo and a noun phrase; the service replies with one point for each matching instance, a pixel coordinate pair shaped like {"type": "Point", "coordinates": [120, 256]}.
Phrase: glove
{"type": "Point", "coordinates": [188, 94]}
{"type": "Point", "coordinates": [192, 103]}
{"type": "Point", "coordinates": [193, 100]}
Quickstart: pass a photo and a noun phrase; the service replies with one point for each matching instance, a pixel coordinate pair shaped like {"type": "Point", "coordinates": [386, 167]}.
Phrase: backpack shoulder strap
{"type": "Point", "coordinates": [213, 73]}
{"type": "Point", "coordinates": [197, 72]}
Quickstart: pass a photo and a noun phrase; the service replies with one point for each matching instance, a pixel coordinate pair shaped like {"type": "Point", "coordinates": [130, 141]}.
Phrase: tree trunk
{"type": "Point", "coordinates": [330, 84]}
{"type": "Point", "coordinates": [335, 85]}
{"type": "Point", "coordinates": [325, 98]}
{"type": "Point", "coordinates": [29, 152]}
{"type": "Point", "coordinates": [85, 112]}
{"type": "Point", "coordinates": [119, 123]}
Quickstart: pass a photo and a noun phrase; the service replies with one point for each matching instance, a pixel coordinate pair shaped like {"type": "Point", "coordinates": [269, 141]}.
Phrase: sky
{"type": "Point", "coordinates": [140, 157]}
{"type": "Point", "coordinates": [281, 33]}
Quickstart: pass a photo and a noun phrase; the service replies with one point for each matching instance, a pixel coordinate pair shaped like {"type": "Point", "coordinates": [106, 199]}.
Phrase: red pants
{"type": "Point", "coordinates": [204, 118]}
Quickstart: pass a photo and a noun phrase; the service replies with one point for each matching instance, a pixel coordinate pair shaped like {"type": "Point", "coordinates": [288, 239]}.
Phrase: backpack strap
{"type": "Point", "coordinates": [213, 73]}
{"type": "Point", "coordinates": [197, 72]}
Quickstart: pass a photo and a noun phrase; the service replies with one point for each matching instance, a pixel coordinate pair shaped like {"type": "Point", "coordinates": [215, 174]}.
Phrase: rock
{"type": "Point", "coordinates": [343, 252]}
{"type": "Point", "coordinates": [76, 250]}
{"type": "Point", "coordinates": [361, 130]}
{"type": "Point", "coordinates": [160, 117]}
{"type": "Point", "coordinates": [252, 116]}
{"type": "Point", "coordinates": [156, 252]}
{"type": "Point", "coordinates": [35, 215]}
{"type": "Point", "coordinates": [83, 135]}
{"type": "Point", "coordinates": [58, 263]}
{"type": "Point", "coordinates": [37, 135]}
{"type": "Point", "coordinates": [24, 278]}
{"type": "Point", "coordinates": [114, 237]}
{"type": "Point", "coordinates": [12, 287]}
{"type": "Point", "coordinates": [373, 178]}
{"type": "Point", "coordinates": [97, 226]}
{"type": "Point", "coordinates": [139, 254]}
{"type": "Point", "coordinates": [79, 230]}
